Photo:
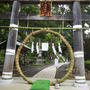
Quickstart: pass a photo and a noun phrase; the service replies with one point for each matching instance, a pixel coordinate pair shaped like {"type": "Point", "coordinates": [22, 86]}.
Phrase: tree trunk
{"type": "Point", "coordinates": [78, 46]}
{"type": "Point", "coordinates": [11, 43]}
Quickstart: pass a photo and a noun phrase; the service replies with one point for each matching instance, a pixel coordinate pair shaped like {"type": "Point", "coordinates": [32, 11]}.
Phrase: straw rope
{"type": "Point", "coordinates": [62, 38]}
{"type": "Point", "coordinates": [52, 28]}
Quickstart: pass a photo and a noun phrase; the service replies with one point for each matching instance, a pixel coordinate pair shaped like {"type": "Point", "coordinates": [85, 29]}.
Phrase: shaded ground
{"type": "Point", "coordinates": [87, 75]}
{"type": "Point", "coordinates": [1, 68]}
{"type": "Point", "coordinates": [61, 71]}
{"type": "Point", "coordinates": [30, 71]}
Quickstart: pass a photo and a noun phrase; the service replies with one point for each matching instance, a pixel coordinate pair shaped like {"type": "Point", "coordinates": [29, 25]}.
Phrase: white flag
{"type": "Point", "coordinates": [44, 46]}
{"type": "Point", "coordinates": [59, 48]}
{"type": "Point", "coordinates": [37, 48]}
{"type": "Point", "coordinates": [53, 47]}
{"type": "Point", "coordinates": [32, 49]}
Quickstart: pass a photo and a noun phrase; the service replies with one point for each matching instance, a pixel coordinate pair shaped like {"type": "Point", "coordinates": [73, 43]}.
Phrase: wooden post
{"type": "Point", "coordinates": [11, 43]}
{"type": "Point", "coordinates": [80, 80]}
{"type": "Point", "coordinates": [51, 46]}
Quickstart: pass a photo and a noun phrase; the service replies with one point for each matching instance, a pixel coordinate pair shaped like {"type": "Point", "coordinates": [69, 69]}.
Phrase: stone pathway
{"type": "Point", "coordinates": [48, 72]}
{"type": "Point", "coordinates": [19, 84]}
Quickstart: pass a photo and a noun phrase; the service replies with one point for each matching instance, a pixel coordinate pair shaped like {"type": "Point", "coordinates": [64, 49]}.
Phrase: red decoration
{"type": "Point", "coordinates": [45, 8]}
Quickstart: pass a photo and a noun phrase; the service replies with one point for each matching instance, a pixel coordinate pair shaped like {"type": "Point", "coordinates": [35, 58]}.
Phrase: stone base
{"type": "Point", "coordinates": [57, 86]}
{"type": "Point", "coordinates": [7, 81]}
{"type": "Point", "coordinates": [83, 85]}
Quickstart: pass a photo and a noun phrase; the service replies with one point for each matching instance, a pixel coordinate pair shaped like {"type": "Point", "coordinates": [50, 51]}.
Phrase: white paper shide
{"type": "Point", "coordinates": [44, 46]}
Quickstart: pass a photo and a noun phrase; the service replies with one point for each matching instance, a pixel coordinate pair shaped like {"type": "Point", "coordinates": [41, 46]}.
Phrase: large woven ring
{"type": "Point", "coordinates": [66, 43]}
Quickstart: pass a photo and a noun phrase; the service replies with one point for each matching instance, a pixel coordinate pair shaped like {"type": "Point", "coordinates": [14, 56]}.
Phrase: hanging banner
{"type": "Point", "coordinates": [44, 46]}
{"type": "Point", "coordinates": [45, 8]}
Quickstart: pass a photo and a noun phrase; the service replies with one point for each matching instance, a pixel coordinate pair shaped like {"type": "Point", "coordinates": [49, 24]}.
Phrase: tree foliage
{"type": "Point", "coordinates": [45, 37]}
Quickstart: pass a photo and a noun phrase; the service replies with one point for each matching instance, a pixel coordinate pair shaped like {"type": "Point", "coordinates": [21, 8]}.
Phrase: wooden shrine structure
{"type": "Point", "coordinates": [38, 1]}
{"type": "Point", "coordinates": [25, 16]}
{"type": "Point", "coordinates": [34, 17]}
{"type": "Point", "coordinates": [76, 17]}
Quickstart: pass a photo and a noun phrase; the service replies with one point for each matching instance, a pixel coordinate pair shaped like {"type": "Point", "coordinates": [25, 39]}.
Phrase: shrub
{"type": "Point", "coordinates": [87, 64]}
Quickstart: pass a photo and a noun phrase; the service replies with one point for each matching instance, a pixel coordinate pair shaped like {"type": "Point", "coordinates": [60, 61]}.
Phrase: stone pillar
{"type": "Point", "coordinates": [11, 43]}
{"type": "Point", "coordinates": [80, 80]}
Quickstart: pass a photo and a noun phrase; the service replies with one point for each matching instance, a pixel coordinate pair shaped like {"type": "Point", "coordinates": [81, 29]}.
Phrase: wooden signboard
{"type": "Point", "coordinates": [45, 8]}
